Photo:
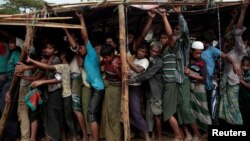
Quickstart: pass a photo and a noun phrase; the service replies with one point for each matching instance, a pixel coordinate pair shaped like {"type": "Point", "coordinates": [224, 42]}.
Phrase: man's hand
{"type": "Point", "coordinates": [187, 71]}
{"type": "Point", "coordinates": [36, 83]}
{"type": "Point", "coordinates": [151, 13]}
{"type": "Point", "coordinates": [20, 67]}
{"type": "Point", "coordinates": [161, 11]}
{"type": "Point", "coordinates": [79, 14]}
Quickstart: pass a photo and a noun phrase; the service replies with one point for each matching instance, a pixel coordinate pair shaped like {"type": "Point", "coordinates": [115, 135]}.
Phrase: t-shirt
{"type": "Point", "coordinates": [209, 56]}
{"type": "Point", "coordinates": [74, 68]}
{"type": "Point", "coordinates": [110, 73]}
{"type": "Point", "coordinates": [64, 71]}
{"type": "Point", "coordinates": [139, 62]}
{"type": "Point", "coordinates": [198, 67]}
{"type": "Point", "coordinates": [4, 56]}
{"type": "Point", "coordinates": [51, 75]}
{"type": "Point", "coordinates": [14, 58]}
{"type": "Point", "coordinates": [92, 68]}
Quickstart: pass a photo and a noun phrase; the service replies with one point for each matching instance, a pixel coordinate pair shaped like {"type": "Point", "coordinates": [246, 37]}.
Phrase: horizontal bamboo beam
{"type": "Point", "coordinates": [42, 24]}
{"type": "Point", "coordinates": [40, 19]}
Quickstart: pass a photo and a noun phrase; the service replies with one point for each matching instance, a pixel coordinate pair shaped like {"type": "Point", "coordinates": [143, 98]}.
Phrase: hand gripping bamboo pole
{"type": "Point", "coordinates": [13, 85]}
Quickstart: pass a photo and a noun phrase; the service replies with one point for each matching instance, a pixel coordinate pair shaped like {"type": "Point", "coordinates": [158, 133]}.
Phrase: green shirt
{"type": "Point", "coordinates": [4, 57]}
{"type": "Point", "coordinates": [14, 58]}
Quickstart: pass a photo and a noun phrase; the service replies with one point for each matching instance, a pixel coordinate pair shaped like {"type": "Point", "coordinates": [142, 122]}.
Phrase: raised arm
{"type": "Point", "coordinates": [140, 39]}
{"type": "Point", "coordinates": [40, 65]}
{"type": "Point", "coordinates": [84, 31]}
{"type": "Point", "coordinates": [239, 24]}
{"type": "Point", "coordinates": [240, 46]}
{"type": "Point", "coordinates": [70, 39]}
{"type": "Point", "coordinates": [234, 15]}
{"type": "Point", "coordinates": [167, 26]}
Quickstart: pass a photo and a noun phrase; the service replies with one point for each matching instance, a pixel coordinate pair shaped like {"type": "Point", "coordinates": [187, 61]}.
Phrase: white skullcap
{"type": "Point", "coordinates": [197, 45]}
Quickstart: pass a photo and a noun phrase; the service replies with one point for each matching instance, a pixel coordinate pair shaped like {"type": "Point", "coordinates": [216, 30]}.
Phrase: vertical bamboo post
{"type": "Point", "coordinates": [13, 86]}
{"type": "Point", "coordinates": [125, 98]}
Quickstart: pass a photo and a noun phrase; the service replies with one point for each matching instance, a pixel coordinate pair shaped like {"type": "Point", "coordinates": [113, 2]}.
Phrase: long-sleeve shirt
{"type": "Point", "coordinates": [238, 52]}
{"type": "Point", "coordinates": [177, 58]}
{"type": "Point", "coordinates": [154, 76]}
{"type": "Point", "coordinates": [92, 68]}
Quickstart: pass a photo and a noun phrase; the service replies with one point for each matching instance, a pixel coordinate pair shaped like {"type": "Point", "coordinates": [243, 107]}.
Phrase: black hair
{"type": "Point", "coordinates": [69, 54]}
{"type": "Point", "coordinates": [163, 32]}
{"type": "Point", "coordinates": [106, 50]}
{"type": "Point", "coordinates": [245, 58]}
{"type": "Point", "coordinates": [145, 45]}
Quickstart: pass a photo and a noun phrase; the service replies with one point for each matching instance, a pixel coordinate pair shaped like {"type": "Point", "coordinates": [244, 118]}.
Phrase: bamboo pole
{"type": "Point", "coordinates": [125, 98]}
{"type": "Point", "coordinates": [41, 24]}
{"type": "Point", "coordinates": [13, 85]}
{"type": "Point", "coordinates": [39, 19]}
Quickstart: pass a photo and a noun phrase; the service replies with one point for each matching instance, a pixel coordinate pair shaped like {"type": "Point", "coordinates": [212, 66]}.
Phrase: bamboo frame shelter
{"type": "Point", "coordinates": [34, 19]}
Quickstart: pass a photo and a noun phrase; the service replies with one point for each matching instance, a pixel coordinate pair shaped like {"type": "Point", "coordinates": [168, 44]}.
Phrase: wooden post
{"type": "Point", "coordinates": [13, 86]}
{"type": "Point", "coordinates": [125, 98]}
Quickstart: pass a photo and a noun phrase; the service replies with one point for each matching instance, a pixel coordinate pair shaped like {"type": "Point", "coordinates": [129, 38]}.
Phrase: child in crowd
{"type": "Point", "coordinates": [244, 92]}
{"type": "Point", "coordinates": [76, 80]}
{"type": "Point", "coordinates": [94, 78]}
{"type": "Point", "coordinates": [153, 75]}
{"type": "Point", "coordinates": [197, 73]}
{"type": "Point", "coordinates": [112, 101]}
{"type": "Point", "coordinates": [138, 66]}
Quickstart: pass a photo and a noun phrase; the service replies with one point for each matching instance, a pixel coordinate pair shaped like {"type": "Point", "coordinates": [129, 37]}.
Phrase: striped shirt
{"type": "Point", "coordinates": [177, 58]}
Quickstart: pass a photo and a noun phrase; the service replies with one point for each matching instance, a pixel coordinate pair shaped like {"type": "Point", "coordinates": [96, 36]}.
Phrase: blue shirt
{"type": "Point", "coordinates": [92, 67]}
{"type": "Point", "coordinates": [209, 56]}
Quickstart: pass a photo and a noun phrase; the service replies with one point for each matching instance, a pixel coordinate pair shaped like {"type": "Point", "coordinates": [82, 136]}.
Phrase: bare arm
{"type": "Point", "coordinates": [189, 73]}
{"type": "Point", "coordinates": [43, 82]}
{"type": "Point", "coordinates": [41, 65]}
{"type": "Point", "coordinates": [70, 39]}
{"type": "Point", "coordinates": [33, 78]}
{"type": "Point", "coordinates": [84, 31]}
{"type": "Point", "coordinates": [242, 82]}
{"type": "Point", "coordinates": [236, 66]}
{"type": "Point", "coordinates": [135, 68]}
{"type": "Point", "coordinates": [242, 15]}
{"type": "Point", "coordinates": [167, 27]}
{"type": "Point", "coordinates": [140, 39]}
{"type": "Point", "coordinates": [234, 15]}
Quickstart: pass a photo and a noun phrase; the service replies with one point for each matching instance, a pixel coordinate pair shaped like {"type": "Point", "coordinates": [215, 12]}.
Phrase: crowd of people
{"type": "Point", "coordinates": [72, 90]}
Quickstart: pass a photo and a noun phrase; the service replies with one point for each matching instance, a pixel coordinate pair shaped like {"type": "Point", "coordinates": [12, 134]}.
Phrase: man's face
{"type": "Point", "coordinates": [154, 51]}
{"type": "Point", "coordinates": [196, 54]}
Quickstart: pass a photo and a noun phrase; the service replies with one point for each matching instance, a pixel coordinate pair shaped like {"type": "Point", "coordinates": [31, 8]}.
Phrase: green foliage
{"type": "Point", "coordinates": [17, 6]}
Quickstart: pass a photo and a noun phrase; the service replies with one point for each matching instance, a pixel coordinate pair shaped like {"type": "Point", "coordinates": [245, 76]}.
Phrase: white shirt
{"type": "Point", "coordinates": [142, 63]}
